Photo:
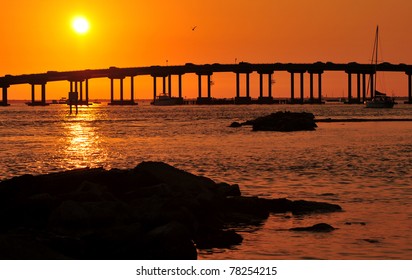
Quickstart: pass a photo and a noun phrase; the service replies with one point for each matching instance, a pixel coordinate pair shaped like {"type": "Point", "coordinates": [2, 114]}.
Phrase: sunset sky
{"type": "Point", "coordinates": [37, 37]}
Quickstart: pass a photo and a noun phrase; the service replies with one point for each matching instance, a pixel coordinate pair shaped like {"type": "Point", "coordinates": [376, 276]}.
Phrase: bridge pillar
{"type": "Point", "coordinates": [154, 88]}
{"type": "Point", "coordinates": [86, 84]}
{"type": "Point", "coordinates": [292, 87]}
{"type": "Point", "coordinates": [111, 90]}
{"type": "Point", "coordinates": [4, 97]}
{"type": "Point", "coordinates": [363, 87]}
{"type": "Point", "coordinates": [358, 88]}
{"type": "Point", "coordinates": [270, 85]}
{"type": "Point", "coordinates": [199, 85]}
{"type": "Point", "coordinates": [349, 87]}
{"type": "Point", "coordinates": [311, 87]}
{"type": "Point", "coordinates": [247, 99]}
{"type": "Point", "coordinates": [372, 85]}
{"type": "Point", "coordinates": [121, 91]}
{"type": "Point", "coordinates": [260, 85]}
{"type": "Point", "coordinates": [237, 85]}
{"type": "Point", "coordinates": [164, 85]}
{"type": "Point", "coordinates": [209, 83]}
{"type": "Point", "coordinates": [320, 88]}
{"type": "Point", "coordinates": [409, 88]}
{"type": "Point", "coordinates": [43, 94]}
{"type": "Point", "coordinates": [132, 88]}
{"type": "Point", "coordinates": [170, 85]}
{"type": "Point", "coordinates": [302, 88]}
{"type": "Point", "coordinates": [247, 85]}
{"type": "Point", "coordinates": [180, 86]}
{"type": "Point", "coordinates": [42, 102]}
{"type": "Point", "coordinates": [81, 91]}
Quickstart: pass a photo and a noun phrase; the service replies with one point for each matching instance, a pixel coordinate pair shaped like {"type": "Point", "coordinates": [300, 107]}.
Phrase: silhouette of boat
{"type": "Point", "coordinates": [379, 99]}
{"type": "Point", "coordinates": [165, 100]}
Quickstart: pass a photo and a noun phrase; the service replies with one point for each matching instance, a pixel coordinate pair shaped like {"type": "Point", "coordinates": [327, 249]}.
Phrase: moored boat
{"type": "Point", "coordinates": [166, 100]}
{"type": "Point", "coordinates": [381, 100]}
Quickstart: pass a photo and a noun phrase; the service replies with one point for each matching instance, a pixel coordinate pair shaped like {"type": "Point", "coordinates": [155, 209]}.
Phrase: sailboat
{"type": "Point", "coordinates": [379, 99]}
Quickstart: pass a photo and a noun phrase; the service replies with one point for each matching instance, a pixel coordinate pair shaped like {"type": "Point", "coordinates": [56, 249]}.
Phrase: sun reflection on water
{"type": "Point", "coordinates": [83, 142]}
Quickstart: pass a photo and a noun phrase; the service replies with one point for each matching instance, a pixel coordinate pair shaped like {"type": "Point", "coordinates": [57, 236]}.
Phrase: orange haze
{"type": "Point", "coordinates": [37, 37]}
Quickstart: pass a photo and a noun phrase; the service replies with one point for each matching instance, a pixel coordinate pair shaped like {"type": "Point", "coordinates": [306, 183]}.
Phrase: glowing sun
{"type": "Point", "coordinates": [80, 25]}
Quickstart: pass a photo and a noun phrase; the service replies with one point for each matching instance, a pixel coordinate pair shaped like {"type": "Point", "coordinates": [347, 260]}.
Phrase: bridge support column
{"type": "Point", "coordinates": [121, 91]}
{"type": "Point", "coordinates": [409, 88]}
{"type": "Point", "coordinates": [169, 84]}
{"type": "Point", "coordinates": [349, 88]}
{"type": "Point", "coordinates": [111, 90]}
{"type": "Point", "coordinates": [237, 85]}
{"type": "Point", "coordinates": [4, 97]}
{"type": "Point", "coordinates": [33, 94]}
{"type": "Point", "coordinates": [199, 85]}
{"type": "Point", "coordinates": [121, 100]}
{"type": "Point", "coordinates": [86, 85]}
{"type": "Point", "coordinates": [164, 85]}
{"type": "Point", "coordinates": [43, 94]}
{"type": "Point", "coordinates": [209, 84]}
{"type": "Point", "coordinates": [320, 88]}
{"type": "Point", "coordinates": [132, 88]}
{"type": "Point", "coordinates": [81, 91]}
{"type": "Point", "coordinates": [358, 88]}
{"type": "Point", "coordinates": [247, 85]}
{"type": "Point", "coordinates": [372, 86]}
{"type": "Point", "coordinates": [180, 85]}
{"type": "Point", "coordinates": [292, 87]}
{"type": "Point", "coordinates": [302, 88]}
{"type": "Point", "coordinates": [260, 85]}
{"type": "Point", "coordinates": [270, 85]}
{"type": "Point", "coordinates": [154, 88]}
{"type": "Point", "coordinates": [363, 87]}
{"type": "Point", "coordinates": [311, 87]}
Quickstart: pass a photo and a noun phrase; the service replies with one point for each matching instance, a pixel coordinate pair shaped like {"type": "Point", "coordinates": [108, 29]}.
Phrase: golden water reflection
{"type": "Point", "coordinates": [83, 142]}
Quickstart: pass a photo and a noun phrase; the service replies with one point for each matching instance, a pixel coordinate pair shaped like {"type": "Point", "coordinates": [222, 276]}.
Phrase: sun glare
{"type": "Point", "coordinates": [80, 25]}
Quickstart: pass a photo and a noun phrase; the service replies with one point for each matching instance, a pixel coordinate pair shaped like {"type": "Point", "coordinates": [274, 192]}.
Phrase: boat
{"type": "Point", "coordinates": [379, 99]}
{"type": "Point", "coordinates": [165, 100]}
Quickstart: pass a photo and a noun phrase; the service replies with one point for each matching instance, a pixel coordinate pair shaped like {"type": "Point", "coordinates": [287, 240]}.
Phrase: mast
{"type": "Point", "coordinates": [376, 57]}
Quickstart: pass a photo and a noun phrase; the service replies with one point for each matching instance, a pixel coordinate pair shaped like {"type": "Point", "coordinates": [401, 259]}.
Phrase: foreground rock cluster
{"type": "Point", "coordinates": [281, 121]}
{"type": "Point", "coordinates": [153, 211]}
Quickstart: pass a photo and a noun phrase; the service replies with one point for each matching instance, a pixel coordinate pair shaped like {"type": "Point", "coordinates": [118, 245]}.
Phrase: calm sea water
{"type": "Point", "coordinates": [364, 167]}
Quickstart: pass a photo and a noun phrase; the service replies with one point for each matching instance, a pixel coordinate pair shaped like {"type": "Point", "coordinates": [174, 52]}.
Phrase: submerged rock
{"type": "Point", "coordinates": [322, 227]}
{"type": "Point", "coordinates": [154, 211]}
{"type": "Point", "coordinates": [282, 121]}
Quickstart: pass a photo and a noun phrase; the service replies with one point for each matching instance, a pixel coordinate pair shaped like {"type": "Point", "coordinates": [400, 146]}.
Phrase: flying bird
{"type": "Point", "coordinates": [193, 29]}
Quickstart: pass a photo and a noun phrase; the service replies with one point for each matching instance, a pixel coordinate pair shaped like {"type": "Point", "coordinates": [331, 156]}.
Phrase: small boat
{"type": "Point", "coordinates": [165, 100]}
{"type": "Point", "coordinates": [380, 100]}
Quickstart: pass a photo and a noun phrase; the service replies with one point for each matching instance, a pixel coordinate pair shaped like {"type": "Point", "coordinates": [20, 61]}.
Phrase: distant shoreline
{"type": "Point", "coordinates": [329, 120]}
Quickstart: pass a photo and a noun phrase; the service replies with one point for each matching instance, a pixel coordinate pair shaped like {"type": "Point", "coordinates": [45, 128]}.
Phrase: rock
{"type": "Point", "coordinates": [322, 227]}
{"type": "Point", "coordinates": [154, 211]}
{"type": "Point", "coordinates": [235, 124]}
{"type": "Point", "coordinates": [282, 121]}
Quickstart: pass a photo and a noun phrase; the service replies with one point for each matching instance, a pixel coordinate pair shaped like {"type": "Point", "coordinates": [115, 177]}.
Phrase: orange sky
{"type": "Point", "coordinates": [37, 37]}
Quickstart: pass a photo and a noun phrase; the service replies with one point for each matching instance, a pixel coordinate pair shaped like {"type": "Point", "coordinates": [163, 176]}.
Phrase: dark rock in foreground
{"type": "Point", "coordinates": [322, 227]}
{"type": "Point", "coordinates": [153, 211]}
{"type": "Point", "coordinates": [281, 121]}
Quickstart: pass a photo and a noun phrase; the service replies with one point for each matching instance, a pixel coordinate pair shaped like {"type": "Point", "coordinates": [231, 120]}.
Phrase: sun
{"type": "Point", "coordinates": [80, 25]}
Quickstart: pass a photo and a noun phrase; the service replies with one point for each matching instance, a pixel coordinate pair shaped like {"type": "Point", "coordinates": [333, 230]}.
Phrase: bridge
{"type": "Point", "coordinates": [78, 80]}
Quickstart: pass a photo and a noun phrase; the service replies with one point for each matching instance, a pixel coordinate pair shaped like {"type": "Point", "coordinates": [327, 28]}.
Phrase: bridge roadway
{"type": "Point", "coordinates": [77, 78]}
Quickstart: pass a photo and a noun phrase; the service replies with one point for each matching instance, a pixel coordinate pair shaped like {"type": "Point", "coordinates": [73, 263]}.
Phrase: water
{"type": "Point", "coordinates": [364, 167]}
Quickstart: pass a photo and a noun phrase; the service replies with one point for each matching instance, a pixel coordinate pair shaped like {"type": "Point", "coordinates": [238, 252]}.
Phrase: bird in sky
{"type": "Point", "coordinates": [194, 27]}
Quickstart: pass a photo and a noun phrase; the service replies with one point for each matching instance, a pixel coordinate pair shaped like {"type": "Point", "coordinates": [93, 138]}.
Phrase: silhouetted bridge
{"type": "Point", "coordinates": [79, 80]}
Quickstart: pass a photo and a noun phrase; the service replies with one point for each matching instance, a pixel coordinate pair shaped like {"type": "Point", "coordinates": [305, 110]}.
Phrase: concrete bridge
{"type": "Point", "coordinates": [78, 80]}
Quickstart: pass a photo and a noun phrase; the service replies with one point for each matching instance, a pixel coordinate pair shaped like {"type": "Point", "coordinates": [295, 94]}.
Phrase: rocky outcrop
{"type": "Point", "coordinates": [321, 227]}
{"type": "Point", "coordinates": [153, 211]}
{"type": "Point", "coordinates": [281, 121]}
